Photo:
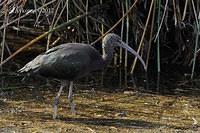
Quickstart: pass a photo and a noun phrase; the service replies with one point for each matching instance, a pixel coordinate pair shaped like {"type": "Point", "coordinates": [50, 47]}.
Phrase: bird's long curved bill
{"type": "Point", "coordinates": [128, 48]}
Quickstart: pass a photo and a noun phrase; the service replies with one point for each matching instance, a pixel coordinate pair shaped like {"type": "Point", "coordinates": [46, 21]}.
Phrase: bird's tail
{"type": "Point", "coordinates": [32, 66]}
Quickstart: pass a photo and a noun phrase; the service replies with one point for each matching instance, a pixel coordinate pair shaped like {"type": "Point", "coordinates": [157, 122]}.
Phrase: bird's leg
{"type": "Point", "coordinates": [70, 98]}
{"type": "Point", "coordinates": [63, 84]}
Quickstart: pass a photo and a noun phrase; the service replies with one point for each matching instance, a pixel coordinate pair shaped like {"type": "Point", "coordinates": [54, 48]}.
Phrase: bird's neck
{"type": "Point", "coordinates": [107, 54]}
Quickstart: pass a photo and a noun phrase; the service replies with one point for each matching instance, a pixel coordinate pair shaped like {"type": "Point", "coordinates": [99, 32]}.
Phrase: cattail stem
{"type": "Point", "coordinates": [158, 45]}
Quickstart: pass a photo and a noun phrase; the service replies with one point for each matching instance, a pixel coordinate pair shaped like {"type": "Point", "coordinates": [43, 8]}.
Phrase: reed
{"type": "Point", "coordinates": [197, 18]}
{"type": "Point", "coordinates": [164, 32]}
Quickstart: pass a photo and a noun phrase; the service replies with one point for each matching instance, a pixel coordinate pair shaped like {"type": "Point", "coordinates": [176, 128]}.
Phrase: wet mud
{"type": "Point", "coordinates": [29, 109]}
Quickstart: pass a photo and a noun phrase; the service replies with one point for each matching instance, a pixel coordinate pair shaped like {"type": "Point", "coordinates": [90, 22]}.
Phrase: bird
{"type": "Point", "coordinates": [71, 61]}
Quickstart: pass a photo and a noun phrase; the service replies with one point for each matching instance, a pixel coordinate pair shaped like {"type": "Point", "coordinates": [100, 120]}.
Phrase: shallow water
{"type": "Point", "coordinates": [26, 108]}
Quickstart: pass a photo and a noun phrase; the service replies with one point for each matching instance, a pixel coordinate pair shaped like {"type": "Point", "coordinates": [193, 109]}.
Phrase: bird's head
{"type": "Point", "coordinates": [112, 40]}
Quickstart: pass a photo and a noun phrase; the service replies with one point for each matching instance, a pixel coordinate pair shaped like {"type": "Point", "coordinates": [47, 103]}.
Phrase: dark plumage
{"type": "Point", "coordinates": [66, 62]}
{"type": "Point", "coordinates": [71, 61]}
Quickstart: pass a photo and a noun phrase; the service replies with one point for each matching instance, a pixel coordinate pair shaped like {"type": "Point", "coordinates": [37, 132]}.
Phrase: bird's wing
{"type": "Point", "coordinates": [56, 48]}
{"type": "Point", "coordinates": [69, 61]}
{"type": "Point", "coordinates": [32, 66]}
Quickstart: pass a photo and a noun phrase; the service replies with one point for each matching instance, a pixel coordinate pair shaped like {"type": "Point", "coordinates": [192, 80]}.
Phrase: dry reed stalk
{"type": "Point", "coordinates": [56, 19]}
{"type": "Point", "coordinates": [185, 10]}
{"type": "Point", "coordinates": [102, 32]}
{"type": "Point", "coordinates": [86, 23]}
{"type": "Point", "coordinates": [127, 41]}
{"type": "Point", "coordinates": [121, 50]}
{"type": "Point", "coordinates": [142, 38]}
{"type": "Point", "coordinates": [118, 22]}
{"type": "Point", "coordinates": [159, 28]}
{"type": "Point", "coordinates": [52, 25]}
{"type": "Point", "coordinates": [127, 33]}
{"type": "Point", "coordinates": [175, 14]}
{"type": "Point", "coordinates": [6, 18]}
{"type": "Point", "coordinates": [151, 35]}
{"type": "Point", "coordinates": [41, 36]}
{"type": "Point", "coordinates": [26, 14]}
{"type": "Point", "coordinates": [197, 18]}
{"type": "Point", "coordinates": [122, 32]}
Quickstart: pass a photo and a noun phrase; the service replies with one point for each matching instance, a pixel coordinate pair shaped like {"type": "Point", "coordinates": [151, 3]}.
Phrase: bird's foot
{"type": "Point", "coordinates": [55, 108]}
{"type": "Point", "coordinates": [55, 112]}
{"type": "Point", "coordinates": [73, 109]}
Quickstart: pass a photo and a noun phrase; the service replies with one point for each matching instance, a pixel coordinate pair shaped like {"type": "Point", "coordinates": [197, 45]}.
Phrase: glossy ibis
{"type": "Point", "coordinates": [71, 61]}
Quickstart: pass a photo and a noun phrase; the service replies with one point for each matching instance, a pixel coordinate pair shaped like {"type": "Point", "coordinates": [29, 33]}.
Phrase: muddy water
{"type": "Point", "coordinates": [29, 109]}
